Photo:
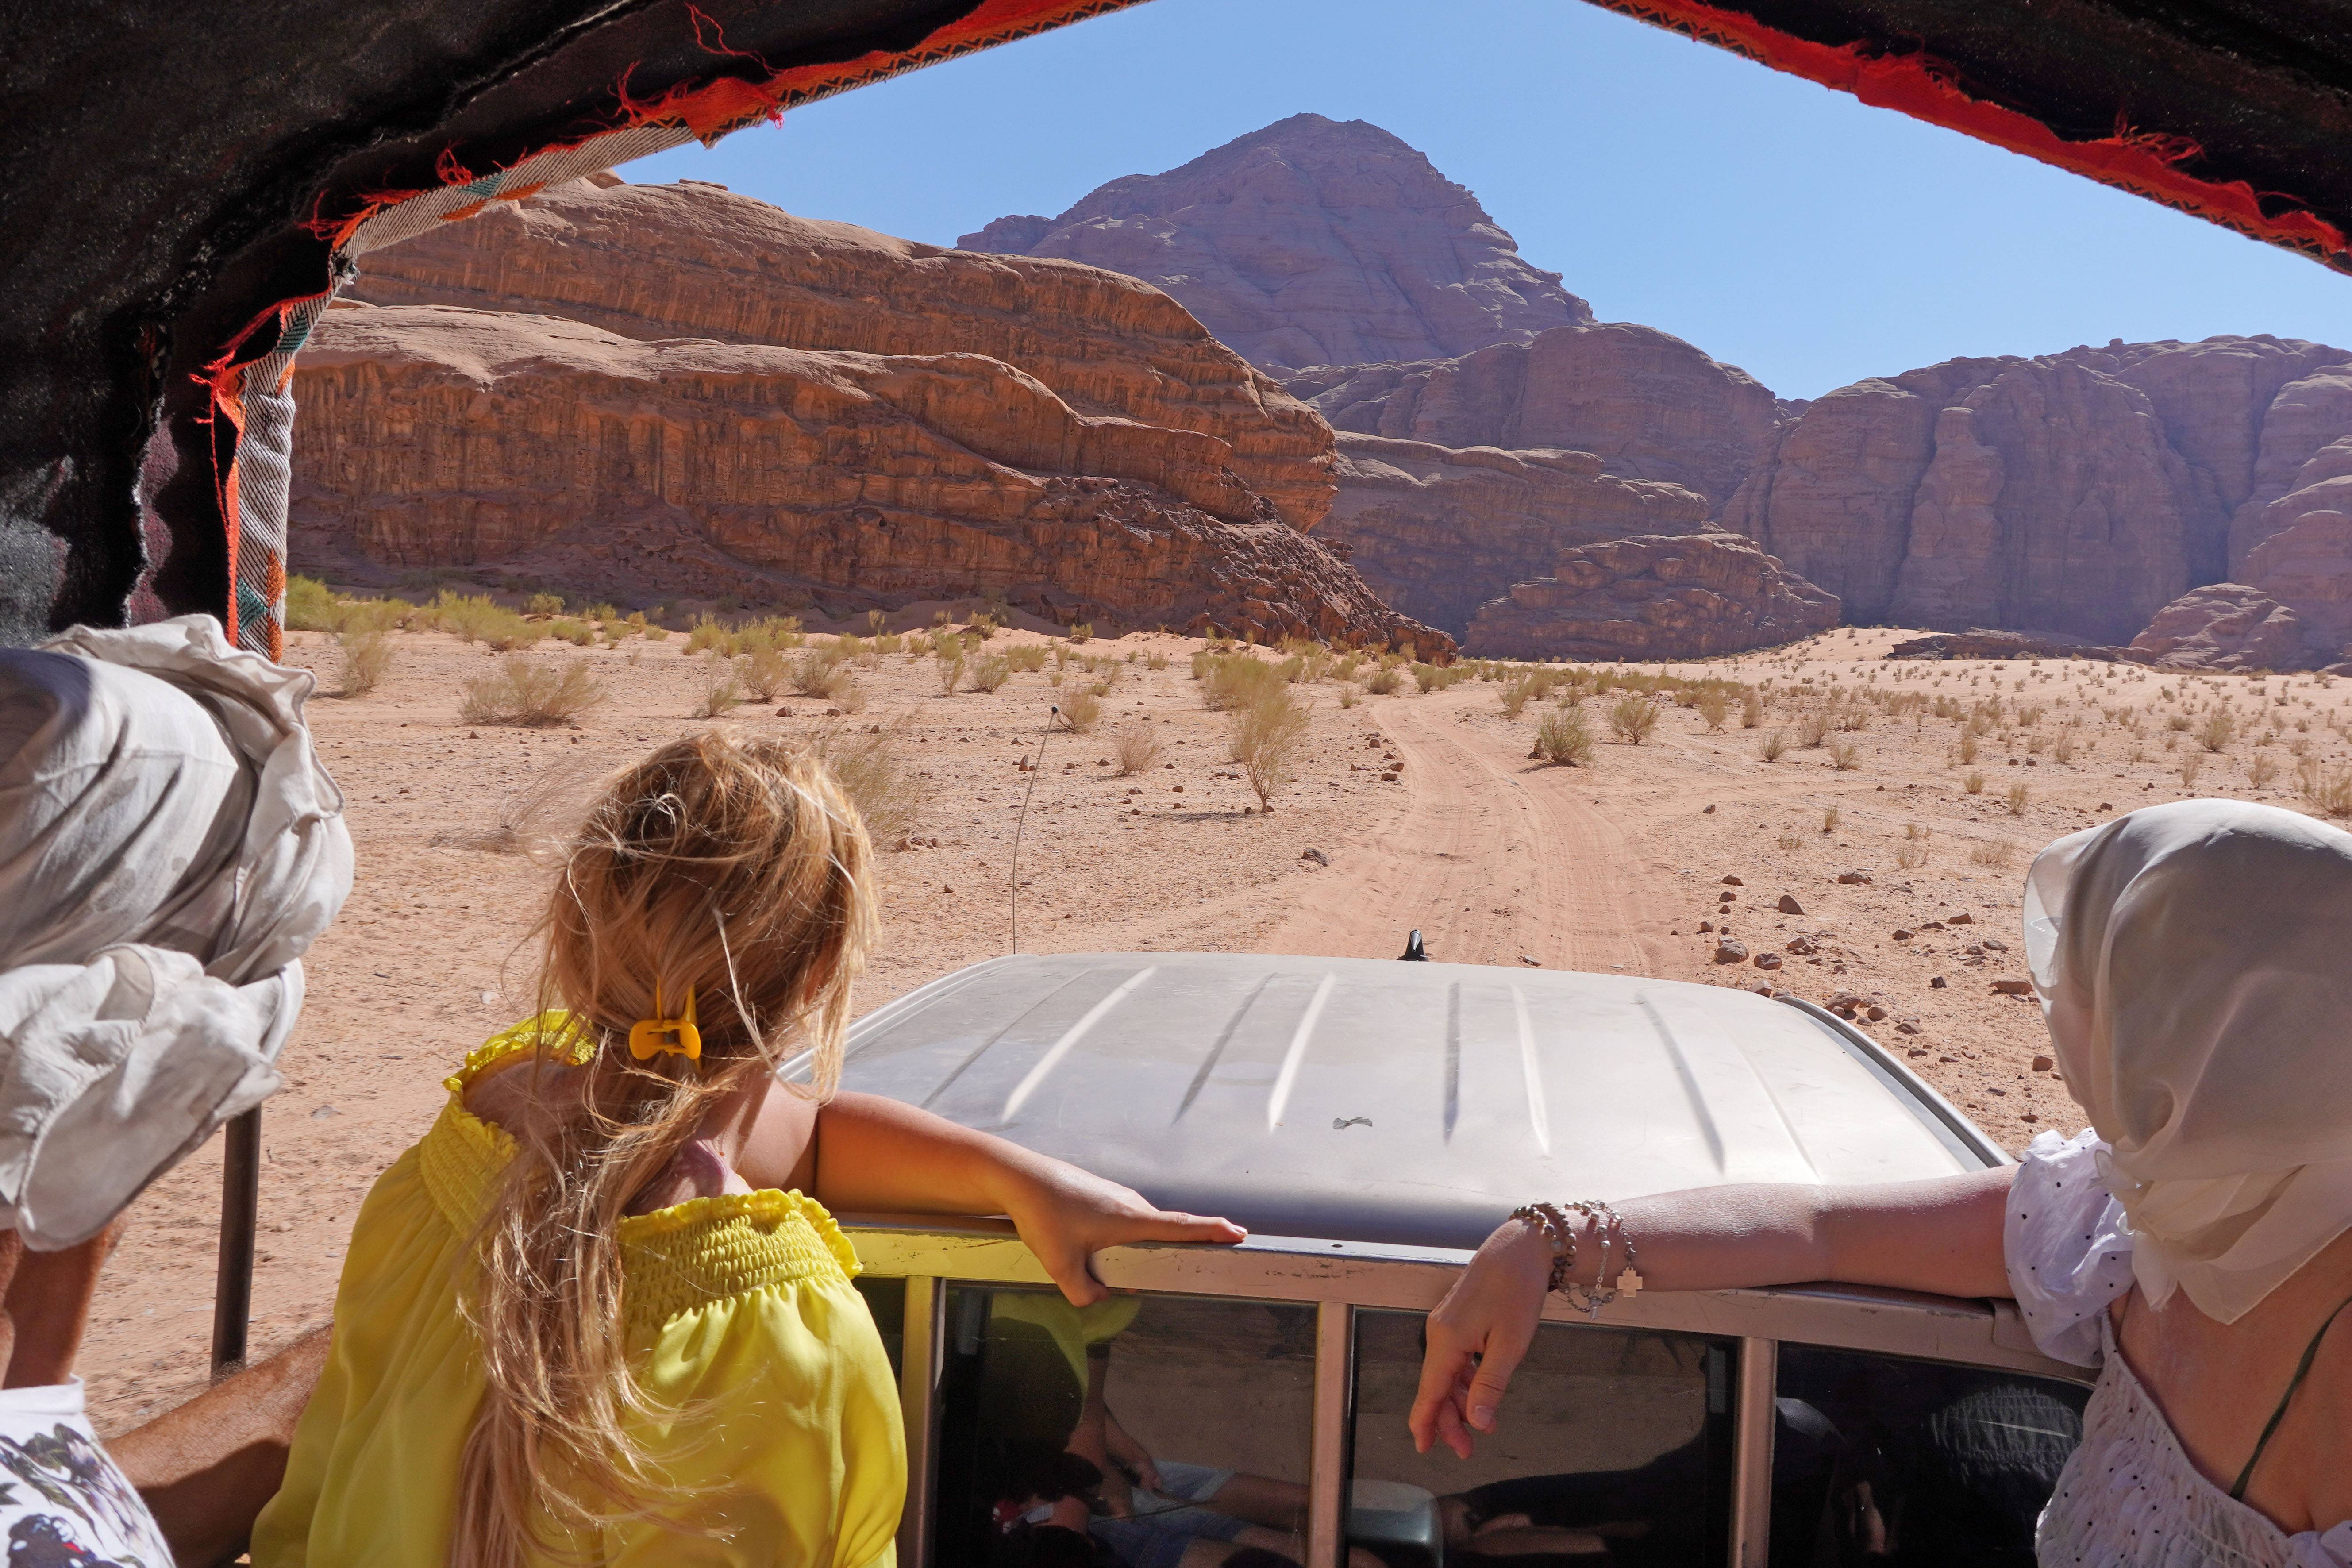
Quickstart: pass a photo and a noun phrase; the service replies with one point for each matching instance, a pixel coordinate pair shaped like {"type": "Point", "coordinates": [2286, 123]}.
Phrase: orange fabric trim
{"type": "Point", "coordinates": [2143, 163]}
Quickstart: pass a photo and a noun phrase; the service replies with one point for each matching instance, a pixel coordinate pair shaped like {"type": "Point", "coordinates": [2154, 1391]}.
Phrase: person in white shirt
{"type": "Point", "coordinates": [170, 846]}
{"type": "Point", "coordinates": [2194, 964]}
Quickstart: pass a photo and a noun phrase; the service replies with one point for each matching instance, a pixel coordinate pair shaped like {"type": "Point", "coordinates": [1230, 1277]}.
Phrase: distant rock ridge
{"type": "Point", "coordinates": [1310, 242]}
{"type": "Point", "coordinates": [1696, 596]}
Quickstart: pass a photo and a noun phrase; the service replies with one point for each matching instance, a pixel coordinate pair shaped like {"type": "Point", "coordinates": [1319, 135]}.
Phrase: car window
{"type": "Point", "coordinates": [1613, 1447]}
{"type": "Point", "coordinates": [886, 1299]}
{"type": "Point", "coordinates": [1145, 1431]}
{"type": "Point", "coordinates": [1913, 1464]}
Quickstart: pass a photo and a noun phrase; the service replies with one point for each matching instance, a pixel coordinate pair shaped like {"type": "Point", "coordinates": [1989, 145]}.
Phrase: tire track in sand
{"type": "Point", "coordinates": [1492, 856]}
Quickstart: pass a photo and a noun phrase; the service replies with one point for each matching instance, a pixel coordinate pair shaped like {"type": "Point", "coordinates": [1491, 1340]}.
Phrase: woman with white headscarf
{"type": "Point", "coordinates": [170, 846]}
{"type": "Point", "coordinates": [2194, 963]}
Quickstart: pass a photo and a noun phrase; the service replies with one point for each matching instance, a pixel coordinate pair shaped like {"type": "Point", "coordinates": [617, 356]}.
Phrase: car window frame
{"type": "Point", "coordinates": [1339, 1278]}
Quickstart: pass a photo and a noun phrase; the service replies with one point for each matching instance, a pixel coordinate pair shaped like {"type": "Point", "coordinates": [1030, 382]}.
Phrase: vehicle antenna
{"type": "Point", "coordinates": [1052, 712]}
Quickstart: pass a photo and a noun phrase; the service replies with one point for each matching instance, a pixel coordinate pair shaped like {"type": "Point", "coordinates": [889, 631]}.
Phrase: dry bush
{"type": "Point", "coordinates": [1384, 681]}
{"type": "Point", "coordinates": [530, 693]}
{"type": "Point", "coordinates": [1028, 657]}
{"type": "Point", "coordinates": [2217, 730]}
{"type": "Point", "coordinates": [2063, 750]}
{"type": "Point", "coordinates": [767, 673]}
{"type": "Point", "coordinates": [312, 605]}
{"type": "Point", "coordinates": [366, 659]}
{"type": "Point", "coordinates": [538, 817]}
{"type": "Point", "coordinates": [1845, 756]}
{"type": "Point", "coordinates": [991, 671]}
{"type": "Point", "coordinates": [2016, 798]}
{"type": "Point", "coordinates": [864, 760]}
{"type": "Point", "coordinates": [1156, 659]}
{"type": "Point", "coordinates": [2191, 766]}
{"type": "Point", "coordinates": [1774, 745]}
{"type": "Point", "coordinates": [951, 669]}
{"type": "Point", "coordinates": [1714, 705]}
{"type": "Point", "coordinates": [722, 687]}
{"type": "Point", "coordinates": [2262, 772]}
{"type": "Point", "coordinates": [1137, 747]}
{"type": "Point", "coordinates": [1968, 748]}
{"type": "Point", "coordinates": [707, 633]}
{"type": "Point", "coordinates": [579, 633]}
{"type": "Point", "coordinates": [2178, 722]}
{"type": "Point", "coordinates": [1631, 717]}
{"type": "Point", "coordinates": [1082, 709]}
{"type": "Point", "coordinates": [819, 673]}
{"type": "Point", "coordinates": [1813, 728]}
{"type": "Point", "coordinates": [848, 697]}
{"type": "Point", "coordinates": [1082, 631]}
{"type": "Point", "coordinates": [1829, 819]}
{"type": "Point", "coordinates": [1565, 736]}
{"type": "Point", "coordinates": [1237, 681]}
{"type": "Point", "coordinates": [1751, 710]}
{"type": "Point", "coordinates": [1269, 737]}
{"type": "Point", "coordinates": [1996, 853]}
{"type": "Point", "coordinates": [1974, 784]}
{"type": "Point", "coordinates": [1514, 695]}
{"type": "Point", "coordinates": [1912, 853]}
{"type": "Point", "coordinates": [2324, 790]}
{"type": "Point", "coordinates": [1350, 694]}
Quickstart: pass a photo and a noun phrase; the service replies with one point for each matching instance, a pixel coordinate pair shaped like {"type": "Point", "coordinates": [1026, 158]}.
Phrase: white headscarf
{"type": "Point", "coordinates": [169, 847]}
{"type": "Point", "coordinates": [2195, 965]}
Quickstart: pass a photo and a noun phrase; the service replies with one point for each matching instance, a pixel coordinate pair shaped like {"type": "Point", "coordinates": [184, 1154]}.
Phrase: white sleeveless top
{"type": "Point", "coordinates": [2129, 1497]}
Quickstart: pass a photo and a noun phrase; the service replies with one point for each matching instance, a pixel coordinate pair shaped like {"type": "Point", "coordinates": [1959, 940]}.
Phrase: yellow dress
{"type": "Point", "coordinates": [739, 1308]}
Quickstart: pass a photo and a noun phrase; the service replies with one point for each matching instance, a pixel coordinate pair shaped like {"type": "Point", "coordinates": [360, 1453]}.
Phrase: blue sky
{"type": "Point", "coordinates": [1778, 225]}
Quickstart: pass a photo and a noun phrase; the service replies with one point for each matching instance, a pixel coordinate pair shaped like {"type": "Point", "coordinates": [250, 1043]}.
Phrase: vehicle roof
{"type": "Point", "coordinates": [1413, 1104]}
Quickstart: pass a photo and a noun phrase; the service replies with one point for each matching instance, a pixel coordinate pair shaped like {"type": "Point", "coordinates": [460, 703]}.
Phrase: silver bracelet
{"type": "Point", "coordinates": [1601, 1291]}
{"type": "Point", "coordinates": [1546, 1218]}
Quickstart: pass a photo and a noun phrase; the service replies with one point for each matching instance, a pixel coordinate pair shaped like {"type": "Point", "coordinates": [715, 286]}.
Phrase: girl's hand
{"type": "Point", "coordinates": [1478, 1335]}
{"type": "Point", "coordinates": [1066, 1215]}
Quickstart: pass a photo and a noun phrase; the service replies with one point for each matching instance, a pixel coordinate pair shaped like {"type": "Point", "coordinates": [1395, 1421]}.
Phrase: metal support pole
{"type": "Point", "coordinates": [1327, 1463]}
{"type": "Point", "coordinates": [1752, 1416]}
{"type": "Point", "coordinates": [240, 1218]}
{"type": "Point", "coordinates": [922, 1353]}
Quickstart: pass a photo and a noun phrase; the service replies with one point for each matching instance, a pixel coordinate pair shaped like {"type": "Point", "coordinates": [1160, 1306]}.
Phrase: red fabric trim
{"type": "Point", "coordinates": [2145, 163]}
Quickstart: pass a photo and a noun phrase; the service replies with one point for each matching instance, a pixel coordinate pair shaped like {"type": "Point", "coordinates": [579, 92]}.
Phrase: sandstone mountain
{"type": "Point", "coordinates": [1678, 596]}
{"type": "Point", "coordinates": [1310, 242]}
{"type": "Point", "coordinates": [929, 423]}
{"type": "Point", "coordinates": [2082, 492]}
{"type": "Point", "coordinates": [432, 436]}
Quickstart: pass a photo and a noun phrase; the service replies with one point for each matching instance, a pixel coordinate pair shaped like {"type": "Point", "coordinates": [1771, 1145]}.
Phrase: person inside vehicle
{"type": "Point", "coordinates": [170, 846]}
{"type": "Point", "coordinates": [2194, 1243]}
{"type": "Point", "coordinates": [602, 1310]}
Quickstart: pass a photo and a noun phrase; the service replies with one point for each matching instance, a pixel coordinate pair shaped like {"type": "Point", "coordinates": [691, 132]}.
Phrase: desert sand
{"type": "Point", "coordinates": [1498, 858]}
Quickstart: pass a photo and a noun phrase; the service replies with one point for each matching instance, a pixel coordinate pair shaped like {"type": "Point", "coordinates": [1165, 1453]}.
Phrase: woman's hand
{"type": "Point", "coordinates": [1478, 1335]}
{"type": "Point", "coordinates": [1066, 1215]}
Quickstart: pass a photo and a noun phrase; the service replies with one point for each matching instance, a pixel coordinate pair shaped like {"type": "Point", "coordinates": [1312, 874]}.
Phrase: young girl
{"type": "Point", "coordinates": [600, 1314]}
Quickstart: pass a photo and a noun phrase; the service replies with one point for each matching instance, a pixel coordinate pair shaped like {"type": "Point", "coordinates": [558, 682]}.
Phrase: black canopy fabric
{"type": "Point", "coordinates": [180, 187]}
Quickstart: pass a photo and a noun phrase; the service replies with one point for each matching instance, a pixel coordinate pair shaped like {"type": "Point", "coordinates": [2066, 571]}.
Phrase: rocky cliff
{"type": "Point", "coordinates": [1647, 404]}
{"type": "Point", "coordinates": [1310, 242]}
{"type": "Point", "coordinates": [1685, 597]}
{"type": "Point", "coordinates": [2082, 492]}
{"type": "Point", "coordinates": [695, 260]}
{"type": "Point", "coordinates": [1439, 531]}
{"type": "Point", "coordinates": [435, 436]}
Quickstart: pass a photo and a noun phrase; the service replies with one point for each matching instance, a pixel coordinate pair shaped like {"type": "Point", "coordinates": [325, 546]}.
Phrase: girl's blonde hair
{"type": "Point", "coordinates": [735, 870]}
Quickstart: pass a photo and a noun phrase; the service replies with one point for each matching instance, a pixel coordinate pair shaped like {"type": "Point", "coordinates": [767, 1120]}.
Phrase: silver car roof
{"type": "Point", "coordinates": [1411, 1104]}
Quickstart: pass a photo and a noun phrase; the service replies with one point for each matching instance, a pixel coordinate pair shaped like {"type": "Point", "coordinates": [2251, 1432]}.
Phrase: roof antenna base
{"type": "Point", "coordinates": [1413, 952]}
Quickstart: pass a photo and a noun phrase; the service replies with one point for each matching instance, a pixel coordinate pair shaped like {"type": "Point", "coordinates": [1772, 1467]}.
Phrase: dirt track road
{"type": "Point", "coordinates": [1496, 859]}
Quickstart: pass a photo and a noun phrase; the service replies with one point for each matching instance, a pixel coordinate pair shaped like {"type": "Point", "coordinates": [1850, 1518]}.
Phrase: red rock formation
{"type": "Point", "coordinates": [2080, 492]}
{"type": "Point", "coordinates": [1647, 404]}
{"type": "Point", "coordinates": [435, 436]}
{"type": "Point", "coordinates": [1310, 242]}
{"type": "Point", "coordinates": [2223, 625]}
{"type": "Point", "coordinates": [692, 261]}
{"type": "Point", "coordinates": [1439, 531]}
{"type": "Point", "coordinates": [1687, 596]}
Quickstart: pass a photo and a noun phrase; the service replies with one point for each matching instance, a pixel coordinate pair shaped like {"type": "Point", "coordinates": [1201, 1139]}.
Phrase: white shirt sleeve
{"type": "Point", "coordinates": [2064, 1244]}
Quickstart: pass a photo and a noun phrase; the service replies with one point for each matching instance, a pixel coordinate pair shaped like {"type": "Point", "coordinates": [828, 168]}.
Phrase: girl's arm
{"type": "Point", "coordinates": [867, 1153]}
{"type": "Point", "coordinates": [1942, 1236]}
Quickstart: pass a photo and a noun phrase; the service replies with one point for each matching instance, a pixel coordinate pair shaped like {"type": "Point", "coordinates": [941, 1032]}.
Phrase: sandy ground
{"type": "Point", "coordinates": [1499, 859]}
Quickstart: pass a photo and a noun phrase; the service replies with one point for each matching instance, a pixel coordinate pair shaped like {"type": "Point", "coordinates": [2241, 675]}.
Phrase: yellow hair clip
{"type": "Point", "coordinates": [650, 1037]}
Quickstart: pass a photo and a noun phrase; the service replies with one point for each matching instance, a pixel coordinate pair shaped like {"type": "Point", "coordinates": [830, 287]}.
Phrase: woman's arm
{"type": "Point", "coordinates": [1941, 1236]}
{"type": "Point", "coordinates": [867, 1153]}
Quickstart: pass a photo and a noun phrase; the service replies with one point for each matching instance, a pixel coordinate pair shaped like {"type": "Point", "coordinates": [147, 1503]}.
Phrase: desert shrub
{"type": "Point", "coordinates": [1236, 680]}
{"type": "Point", "coordinates": [1774, 745]}
{"type": "Point", "coordinates": [2262, 772]}
{"type": "Point", "coordinates": [1514, 695]}
{"type": "Point", "coordinates": [1083, 632]}
{"type": "Point", "coordinates": [819, 673]}
{"type": "Point", "coordinates": [1029, 656]}
{"type": "Point", "coordinates": [366, 658]}
{"type": "Point", "coordinates": [1996, 853]}
{"type": "Point", "coordinates": [2016, 797]}
{"type": "Point", "coordinates": [1384, 681]}
{"type": "Point", "coordinates": [1565, 736]}
{"type": "Point", "coordinates": [1269, 738]}
{"type": "Point", "coordinates": [312, 605]}
{"type": "Point", "coordinates": [1137, 747]}
{"type": "Point", "coordinates": [1912, 853]}
{"type": "Point", "coordinates": [722, 687]}
{"type": "Point", "coordinates": [707, 633]}
{"type": "Point", "coordinates": [2178, 722]}
{"type": "Point", "coordinates": [531, 693]}
{"type": "Point", "coordinates": [1974, 783]}
{"type": "Point", "coordinates": [1082, 709]}
{"type": "Point", "coordinates": [1845, 756]}
{"type": "Point", "coordinates": [866, 761]}
{"type": "Point", "coordinates": [1813, 727]}
{"type": "Point", "coordinates": [1156, 659]}
{"type": "Point", "coordinates": [579, 634]}
{"type": "Point", "coordinates": [991, 671]}
{"type": "Point", "coordinates": [1829, 818]}
{"type": "Point", "coordinates": [848, 697]}
{"type": "Point", "coordinates": [2191, 766]}
{"type": "Point", "coordinates": [2065, 748]}
{"type": "Point", "coordinates": [657, 632]}
{"type": "Point", "coordinates": [2324, 790]}
{"type": "Point", "coordinates": [950, 666]}
{"type": "Point", "coordinates": [767, 673]}
{"type": "Point", "coordinates": [1968, 747]}
{"type": "Point", "coordinates": [2217, 730]}
{"type": "Point", "coordinates": [1714, 706]}
{"type": "Point", "coordinates": [1350, 694]}
{"type": "Point", "coordinates": [1632, 717]}
{"type": "Point", "coordinates": [544, 605]}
